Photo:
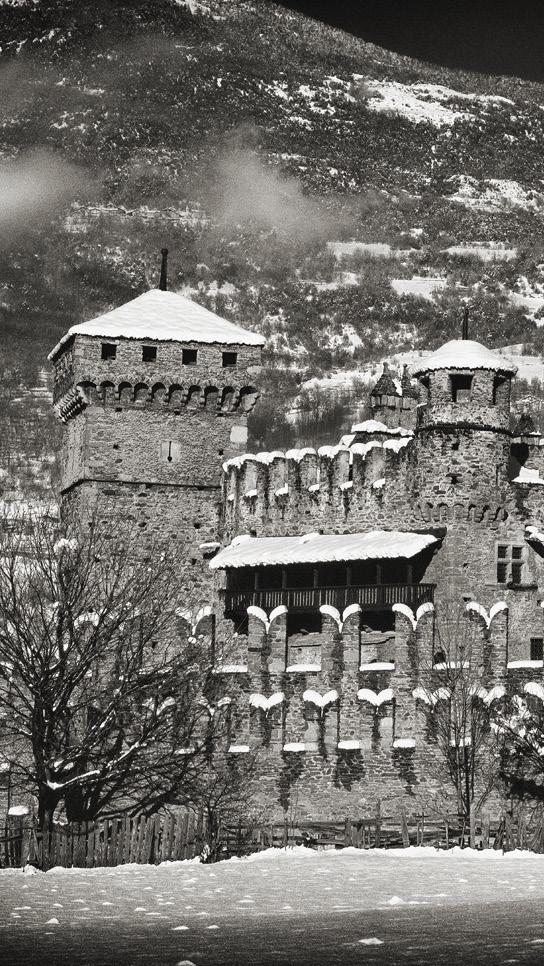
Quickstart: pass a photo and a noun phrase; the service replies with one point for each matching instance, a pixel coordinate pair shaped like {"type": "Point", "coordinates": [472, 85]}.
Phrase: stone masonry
{"type": "Point", "coordinates": [328, 670]}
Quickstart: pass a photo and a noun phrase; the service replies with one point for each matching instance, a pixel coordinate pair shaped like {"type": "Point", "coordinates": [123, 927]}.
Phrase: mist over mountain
{"type": "Point", "coordinates": [343, 200]}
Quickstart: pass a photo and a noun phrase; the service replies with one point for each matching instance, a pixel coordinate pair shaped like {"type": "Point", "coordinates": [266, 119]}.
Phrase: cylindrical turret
{"type": "Point", "coordinates": [463, 421]}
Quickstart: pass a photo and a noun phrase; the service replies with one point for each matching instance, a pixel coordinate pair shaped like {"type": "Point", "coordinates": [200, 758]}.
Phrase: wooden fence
{"type": "Point", "coordinates": [112, 841]}
{"type": "Point", "coordinates": [182, 835]}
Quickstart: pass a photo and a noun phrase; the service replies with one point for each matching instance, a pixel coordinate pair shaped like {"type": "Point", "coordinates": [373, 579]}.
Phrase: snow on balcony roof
{"type": "Point", "coordinates": [246, 551]}
{"type": "Point", "coordinates": [463, 354]}
{"type": "Point", "coordinates": [163, 317]}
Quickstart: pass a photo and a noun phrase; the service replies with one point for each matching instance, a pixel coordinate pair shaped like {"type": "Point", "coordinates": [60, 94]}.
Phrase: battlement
{"type": "Point", "coordinates": [222, 400]}
{"type": "Point", "coordinates": [311, 484]}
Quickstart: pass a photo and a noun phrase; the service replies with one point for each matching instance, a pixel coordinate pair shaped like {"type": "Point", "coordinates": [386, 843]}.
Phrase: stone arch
{"type": "Point", "coordinates": [227, 399]}
{"type": "Point", "coordinates": [124, 393]}
{"type": "Point", "coordinates": [158, 393]}
{"type": "Point", "coordinates": [248, 398]}
{"type": "Point", "coordinates": [458, 511]}
{"type": "Point", "coordinates": [175, 396]}
{"type": "Point", "coordinates": [194, 397]}
{"type": "Point", "coordinates": [107, 392]}
{"type": "Point", "coordinates": [141, 393]}
{"type": "Point", "coordinates": [211, 395]}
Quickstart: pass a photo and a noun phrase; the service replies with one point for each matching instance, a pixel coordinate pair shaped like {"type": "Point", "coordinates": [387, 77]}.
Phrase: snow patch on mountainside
{"type": "Point", "coordinates": [425, 103]}
{"type": "Point", "coordinates": [485, 251]}
{"type": "Point", "coordinates": [345, 249]}
{"type": "Point", "coordinates": [492, 194]}
{"type": "Point", "coordinates": [419, 285]}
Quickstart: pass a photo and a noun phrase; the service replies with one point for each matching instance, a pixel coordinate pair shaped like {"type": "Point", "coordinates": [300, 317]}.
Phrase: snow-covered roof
{"type": "Point", "coordinates": [463, 354]}
{"type": "Point", "coordinates": [163, 317]}
{"type": "Point", "coordinates": [246, 551]}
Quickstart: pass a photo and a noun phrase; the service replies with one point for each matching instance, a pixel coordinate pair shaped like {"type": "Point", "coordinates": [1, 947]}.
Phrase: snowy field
{"type": "Point", "coordinates": [350, 906]}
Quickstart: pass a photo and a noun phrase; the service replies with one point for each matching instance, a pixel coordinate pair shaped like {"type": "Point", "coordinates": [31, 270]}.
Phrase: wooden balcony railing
{"type": "Point", "coordinates": [369, 596]}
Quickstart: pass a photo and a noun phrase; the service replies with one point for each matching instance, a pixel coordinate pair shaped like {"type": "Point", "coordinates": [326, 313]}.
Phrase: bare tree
{"type": "Point", "coordinates": [460, 709]}
{"type": "Point", "coordinates": [102, 686]}
{"type": "Point", "coordinates": [521, 723]}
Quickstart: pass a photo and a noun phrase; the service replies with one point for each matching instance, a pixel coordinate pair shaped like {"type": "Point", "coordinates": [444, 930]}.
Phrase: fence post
{"type": "Point", "coordinates": [485, 830]}
{"type": "Point", "coordinates": [404, 830]}
{"type": "Point", "coordinates": [378, 838]}
{"type": "Point", "coordinates": [472, 826]}
{"type": "Point", "coordinates": [25, 846]}
{"type": "Point", "coordinates": [347, 831]}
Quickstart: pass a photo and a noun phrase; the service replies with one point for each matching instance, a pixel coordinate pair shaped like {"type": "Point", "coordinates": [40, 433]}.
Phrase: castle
{"type": "Point", "coordinates": [327, 568]}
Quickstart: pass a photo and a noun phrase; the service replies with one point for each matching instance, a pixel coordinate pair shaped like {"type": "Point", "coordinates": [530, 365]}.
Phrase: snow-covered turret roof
{"type": "Point", "coordinates": [463, 354]}
{"type": "Point", "coordinates": [163, 317]}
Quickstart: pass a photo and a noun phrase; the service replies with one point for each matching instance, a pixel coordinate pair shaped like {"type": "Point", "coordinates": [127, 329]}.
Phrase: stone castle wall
{"type": "Point", "coordinates": [373, 735]}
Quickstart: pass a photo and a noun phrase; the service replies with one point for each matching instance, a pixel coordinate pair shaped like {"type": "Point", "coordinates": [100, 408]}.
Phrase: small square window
{"type": "Point", "coordinates": [537, 649]}
{"type": "Point", "coordinates": [460, 387]}
{"type": "Point", "coordinates": [109, 350]}
{"type": "Point", "coordinates": [517, 553]}
{"type": "Point", "coordinates": [189, 357]}
{"type": "Point", "coordinates": [149, 353]}
{"type": "Point", "coordinates": [502, 552]}
{"type": "Point", "coordinates": [229, 359]}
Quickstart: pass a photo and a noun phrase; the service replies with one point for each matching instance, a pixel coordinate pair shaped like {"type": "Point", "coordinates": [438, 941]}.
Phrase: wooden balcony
{"type": "Point", "coordinates": [369, 596]}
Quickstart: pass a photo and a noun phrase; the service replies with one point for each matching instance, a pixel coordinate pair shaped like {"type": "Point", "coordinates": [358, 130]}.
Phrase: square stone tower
{"type": "Point", "coordinates": [154, 396]}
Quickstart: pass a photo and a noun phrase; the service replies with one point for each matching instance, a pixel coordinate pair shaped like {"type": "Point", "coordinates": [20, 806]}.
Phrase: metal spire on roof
{"type": "Point", "coordinates": [163, 283]}
{"type": "Point", "coordinates": [465, 323]}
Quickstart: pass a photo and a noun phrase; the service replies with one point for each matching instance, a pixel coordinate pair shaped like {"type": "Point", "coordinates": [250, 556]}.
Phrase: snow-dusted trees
{"type": "Point", "coordinates": [101, 688]}
{"type": "Point", "coordinates": [521, 724]}
{"type": "Point", "coordinates": [460, 708]}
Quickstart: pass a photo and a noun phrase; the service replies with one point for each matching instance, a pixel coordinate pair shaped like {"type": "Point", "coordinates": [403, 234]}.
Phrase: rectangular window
{"type": "Point", "coordinates": [460, 386]}
{"type": "Point", "coordinates": [149, 353]}
{"type": "Point", "coordinates": [537, 649]}
{"type": "Point", "coordinates": [510, 563]}
{"type": "Point", "coordinates": [109, 350]}
{"type": "Point", "coordinates": [229, 359]}
{"type": "Point", "coordinates": [189, 357]}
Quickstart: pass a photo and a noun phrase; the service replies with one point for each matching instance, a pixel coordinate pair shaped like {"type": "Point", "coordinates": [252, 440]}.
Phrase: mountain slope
{"type": "Point", "coordinates": [342, 199]}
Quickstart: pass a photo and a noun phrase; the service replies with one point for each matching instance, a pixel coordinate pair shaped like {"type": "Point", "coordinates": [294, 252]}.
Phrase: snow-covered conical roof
{"type": "Point", "coordinates": [163, 317]}
{"type": "Point", "coordinates": [463, 354]}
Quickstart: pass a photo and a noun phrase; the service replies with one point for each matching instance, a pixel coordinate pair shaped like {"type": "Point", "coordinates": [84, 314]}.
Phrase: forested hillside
{"type": "Point", "coordinates": [343, 200]}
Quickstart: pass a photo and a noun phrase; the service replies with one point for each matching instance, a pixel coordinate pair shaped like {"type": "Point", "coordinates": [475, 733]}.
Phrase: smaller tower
{"type": "Point", "coordinates": [463, 422]}
{"type": "Point", "coordinates": [393, 400]}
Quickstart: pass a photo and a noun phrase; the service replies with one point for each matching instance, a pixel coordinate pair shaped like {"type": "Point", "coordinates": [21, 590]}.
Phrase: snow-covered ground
{"type": "Point", "coordinates": [494, 193]}
{"type": "Point", "coordinates": [425, 103]}
{"type": "Point", "coordinates": [343, 249]}
{"type": "Point", "coordinates": [193, 912]}
{"type": "Point", "coordinates": [424, 286]}
{"type": "Point", "coordinates": [485, 251]}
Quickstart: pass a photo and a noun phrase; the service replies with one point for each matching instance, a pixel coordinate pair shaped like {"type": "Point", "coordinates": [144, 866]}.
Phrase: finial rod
{"type": "Point", "coordinates": [465, 323]}
{"type": "Point", "coordinates": [163, 283]}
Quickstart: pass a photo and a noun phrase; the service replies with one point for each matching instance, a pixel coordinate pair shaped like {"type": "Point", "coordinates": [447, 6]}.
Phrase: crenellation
{"type": "Point", "coordinates": [329, 662]}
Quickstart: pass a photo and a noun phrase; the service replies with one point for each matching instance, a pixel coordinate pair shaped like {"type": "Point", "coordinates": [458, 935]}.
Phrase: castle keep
{"type": "Point", "coordinates": [329, 566]}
